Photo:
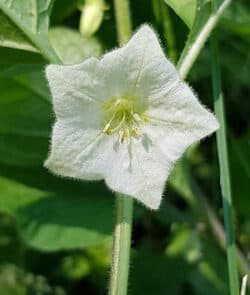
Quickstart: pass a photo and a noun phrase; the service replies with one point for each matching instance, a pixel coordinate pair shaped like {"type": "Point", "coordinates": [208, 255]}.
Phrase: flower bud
{"type": "Point", "coordinates": [91, 16]}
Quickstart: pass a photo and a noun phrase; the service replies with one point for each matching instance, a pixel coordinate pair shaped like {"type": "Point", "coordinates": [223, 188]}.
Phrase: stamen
{"type": "Point", "coordinates": [121, 136]}
{"type": "Point", "coordinates": [137, 131]}
{"type": "Point", "coordinates": [120, 124]}
{"type": "Point", "coordinates": [105, 129]}
{"type": "Point", "coordinates": [137, 117]}
{"type": "Point", "coordinates": [127, 116]}
{"type": "Point", "coordinates": [118, 102]}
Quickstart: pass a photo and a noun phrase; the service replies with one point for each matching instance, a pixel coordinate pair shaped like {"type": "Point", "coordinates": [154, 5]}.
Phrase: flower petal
{"type": "Point", "coordinates": [75, 151]}
{"type": "Point", "coordinates": [72, 87]}
{"type": "Point", "coordinates": [137, 69]}
{"type": "Point", "coordinates": [178, 119]}
{"type": "Point", "coordinates": [174, 119]}
{"type": "Point", "coordinates": [138, 170]}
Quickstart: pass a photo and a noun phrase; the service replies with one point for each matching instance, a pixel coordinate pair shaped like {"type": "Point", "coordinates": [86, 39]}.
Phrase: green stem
{"type": "Point", "coordinates": [224, 168]}
{"type": "Point", "coordinates": [123, 21]}
{"type": "Point", "coordinates": [244, 285]}
{"type": "Point", "coordinates": [124, 204]}
{"type": "Point", "coordinates": [121, 246]}
{"type": "Point", "coordinates": [185, 64]}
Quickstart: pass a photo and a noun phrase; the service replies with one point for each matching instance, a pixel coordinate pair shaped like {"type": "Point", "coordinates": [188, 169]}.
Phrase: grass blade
{"type": "Point", "coordinates": [224, 168]}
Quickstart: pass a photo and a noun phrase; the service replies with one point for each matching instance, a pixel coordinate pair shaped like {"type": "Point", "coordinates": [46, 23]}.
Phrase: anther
{"type": "Point", "coordinates": [121, 136]}
{"type": "Point", "coordinates": [118, 102]}
{"type": "Point", "coordinates": [137, 131]}
{"type": "Point", "coordinates": [106, 128]}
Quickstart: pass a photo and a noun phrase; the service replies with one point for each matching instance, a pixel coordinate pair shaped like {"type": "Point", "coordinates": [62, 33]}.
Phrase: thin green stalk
{"type": "Point", "coordinates": [224, 168]}
{"type": "Point", "coordinates": [121, 246]}
{"type": "Point", "coordinates": [186, 63]}
{"type": "Point", "coordinates": [124, 204]}
{"type": "Point", "coordinates": [244, 285]}
{"type": "Point", "coordinates": [123, 20]}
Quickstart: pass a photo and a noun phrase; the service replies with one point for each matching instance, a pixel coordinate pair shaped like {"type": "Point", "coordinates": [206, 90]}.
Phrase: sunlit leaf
{"type": "Point", "coordinates": [71, 46]}
{"type": "Point", "coordinates": [11, 36]}
{"type": "Point", "coordinates": [61, 215]}
{"type": "Point", "coordinates": [29, 18]}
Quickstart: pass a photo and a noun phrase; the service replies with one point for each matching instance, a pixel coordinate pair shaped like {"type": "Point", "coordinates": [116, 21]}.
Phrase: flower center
{"type": "Point", "coordinates": [123, 116]}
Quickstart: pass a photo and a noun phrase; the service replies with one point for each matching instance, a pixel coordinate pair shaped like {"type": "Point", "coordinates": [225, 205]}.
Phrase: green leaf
{"type": "Point", "coordinates": [34, 80]}
{"type": "Point", "coordinates": [54, 214]}
{"type": "Point", "coordinates": [71, 46]}
{"type": "Point", "coordinates": [185, 9]}
{"type": "Point", "coordinates": [20, 107]}
{"type": "Point", "coordinates": [31, 17]}
{"type": "Point", "coordinates": [28, 151]}
{"type": "Point", "coordinates": [11, 36]}
{"type": "Point", "coordinates": [25, 120]}
{"type": "Point", "coordinates": [10, 56]}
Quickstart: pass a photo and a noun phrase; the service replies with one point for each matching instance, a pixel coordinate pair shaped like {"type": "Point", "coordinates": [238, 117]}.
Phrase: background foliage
{"type": "Point", "coordinates": [55, 234]}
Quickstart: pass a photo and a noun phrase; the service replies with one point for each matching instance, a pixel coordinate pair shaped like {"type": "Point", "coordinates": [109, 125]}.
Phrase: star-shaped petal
{"type": "Point", "coordinates": [125, 118]}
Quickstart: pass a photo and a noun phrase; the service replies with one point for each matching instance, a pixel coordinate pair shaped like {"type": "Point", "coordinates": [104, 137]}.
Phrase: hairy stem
{"type": "Point", "coordinates": [124, 204]}
{"type": "Point", "coordinates": [121, 246]}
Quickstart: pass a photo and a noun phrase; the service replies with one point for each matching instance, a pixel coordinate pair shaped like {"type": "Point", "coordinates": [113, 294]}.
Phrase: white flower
{"type": "Point", "coordinates": [125, 118]}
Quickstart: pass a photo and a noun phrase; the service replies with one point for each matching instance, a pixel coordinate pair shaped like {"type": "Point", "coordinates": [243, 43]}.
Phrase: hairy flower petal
{"type": "Point", "coordinates": [139, 170]}
{"type": "Point", "coordinates": [74, 88]}
{"type": "Point", "coordinates": [75, 151]}
{"type": "Point", "coordinates": [125, 118]}
{"type": "Point", "coordinates": [178, 119]}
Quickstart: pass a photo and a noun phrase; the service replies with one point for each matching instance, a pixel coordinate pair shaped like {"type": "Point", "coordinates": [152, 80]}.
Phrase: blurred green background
{"type": "Point", "coordinates": [55, 234]}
